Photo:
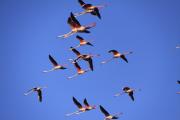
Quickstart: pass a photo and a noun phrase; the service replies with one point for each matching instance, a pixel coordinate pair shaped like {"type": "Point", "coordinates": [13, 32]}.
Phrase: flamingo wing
{"type": "Point", "coordinates": [131, 95]}
{"type": "Point", "coordinates": [77, 66]}
{"type": "Point", "coordinates": [85, 102]}
{"type": "Point", "coordinates": [124, 58]}
{"type": "Point", "coordinates": [75, 51]}
{"type": "Point", "coordinates": [76, 102]}
{"type": "Point", "coordinates": [53, 60]}
{"type": "Point", "coordinates": [104, 111]}
{"type": "Point", "coordinates": [82, 3]}
{"type": "Point", "coordinates": [39, 95]}
{"type": "Point", "coordinates": [178, 81]}
{"type": "Point", "coordinates": [79, 38]}
{"type": "Point", "coordinates": [74, 20]}
{"type": "Point", "coordinates": [88, 43]}
{"type": "Point", "coordinates": [90, 61]}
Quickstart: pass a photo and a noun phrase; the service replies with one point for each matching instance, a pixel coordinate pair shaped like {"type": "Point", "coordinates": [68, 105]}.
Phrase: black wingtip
{"type": "Point", "coordinates": [100, 106]}
{"type": "Point", "coordinates": [49, 56]}
{"type": "Point", "coordinates": [77, 36]}
{"type": "Point", "coordinates": [72, 15]}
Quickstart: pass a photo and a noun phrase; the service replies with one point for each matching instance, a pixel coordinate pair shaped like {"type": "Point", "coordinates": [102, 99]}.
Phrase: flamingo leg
{"type": "Point", "coordinates": [127, 53]}
{"type": "Point", "coordinates": [137, 90]}
{"type": "Point", "coordinates": [75, 75]}
{"type": "Point", "coordinates": [87, 70]}
{"type": "Point", "coordinates": [118, 114]}
{"type": "Point", "coordinates": [44, 87]}
{"type": "Point", "coordinates": [78, 46]}
{"type": "Point", "coordinates": [101, 6]}
{"type": "Point", "coordinates": [107, 61]}
{"type": "Point", "coordinates": [66, 35]}
{"type": "Point", "coordinates": [96, 55]}
{"type": "Point", "coordinates": [118, 94]}
{"type": "Point", "coordinates": [80, 13]}
{"type": "Point", "coordinates": [28, 92]}
{"type": "Point", "coordinates": [69, 114]}
{"type": "Point", "coordinates": [46, 71]}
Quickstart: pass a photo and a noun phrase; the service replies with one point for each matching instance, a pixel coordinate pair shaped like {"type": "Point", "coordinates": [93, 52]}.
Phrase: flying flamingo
{"type": "Point", "coordinates": [86, 57]}
{"type": "Point", "coordinates": [107, 115]}
{"type": "Point", "coordinates": [79, 70]}
{"type": "Point", "coordinates": [38, 90]}
{"type": "Point", "coordinates": [55, 64]}
{"type": "Point", "coordinates": [76, 26]}
{"type": "Point", "coordinates": [117, 54]}
{"type": "Point", "coordinates": [81, 109]}
{"type": "Point", "coordinates": [89, 8]}
{"type": "Point", "coordinates": [82, 42]}
{"type": "Point", "coordinates": [129, 91]}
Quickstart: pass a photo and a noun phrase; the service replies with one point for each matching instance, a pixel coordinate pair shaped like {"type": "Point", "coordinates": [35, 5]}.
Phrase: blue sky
{"type": "Point", "coordinates": [149, 28]}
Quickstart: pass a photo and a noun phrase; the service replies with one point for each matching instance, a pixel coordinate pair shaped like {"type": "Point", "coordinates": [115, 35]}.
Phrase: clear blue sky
{"type": "Point", "coordinates": [149, 28]}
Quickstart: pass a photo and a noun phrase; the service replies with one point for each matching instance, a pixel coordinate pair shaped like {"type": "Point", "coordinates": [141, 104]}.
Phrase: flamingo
{"type": "Point", "coordinates": [79, 70]}
{"type": "Point", "coordinates": [81, 109]}
{"type": "Point", "coordinates": [76, 26]}
{"type": "Point", "coordinates": [89, 8]}
{"type": "Point", "coordinates": [117, 54]}
{"type": "Point", "coordinates": [38, 90]}
{"type": "Point", "coordinates": [86, 57]}
{"type": "Point", "coordinates": [55, 64]}
{"type": "Point", "coordinates": [107, 115]}
{"type": "Point", "coordinates": [129, 91]}
{"type": "Point", "coordinates": [82, 41]}
{"type": "Point", "coordinates": [87, 106]}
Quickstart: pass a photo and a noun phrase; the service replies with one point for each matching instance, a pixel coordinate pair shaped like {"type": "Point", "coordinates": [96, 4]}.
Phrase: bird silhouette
{"type": "Point", "coordinates": [76, 27]}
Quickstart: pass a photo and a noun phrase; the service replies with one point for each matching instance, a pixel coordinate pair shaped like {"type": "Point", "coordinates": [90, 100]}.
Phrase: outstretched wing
{"type": "Point", "coordinates": [104, 111]}
{"type": "Point", "coordinates": [77, 66]}
{"type": "Point", "coordinates": [53, 61]}
{"type": "Point", "coordinates": [178, 81]}
{"type": "Point", "coordinates": [74, 20]}
{"type": "Point", "coordinates": [75, 51]}
{"type": "Point", "coordinates": [71, 23]}
{"type": "Point", "coordinates": [82, 3]}
{"type": "Point", "coordinates": [131, 95]}
{"type": "Point", "coordinates": [88, 43]}
{"type": "Point", "coordinates": [85, 102]}
{"type": "Point", "coordinates": [90, 61]}
{"type": "Point", "coordinates": [79, 38]}
{"type": "Point", "coordinates": [77, 103]}
{"type": "Point", "coordinates": [124, 58]}
{"type": "Point", "coordinates": [39, 95]}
